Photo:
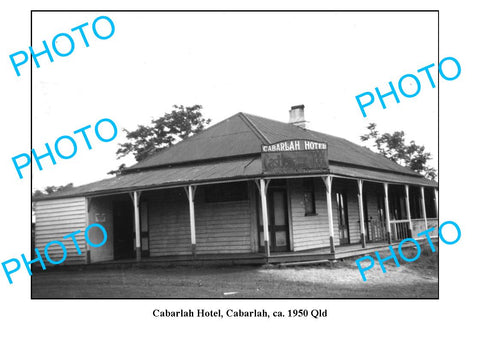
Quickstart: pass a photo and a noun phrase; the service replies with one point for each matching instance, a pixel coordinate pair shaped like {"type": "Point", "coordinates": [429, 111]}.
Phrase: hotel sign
{"type": "Point", "coordinates": [294, 156]}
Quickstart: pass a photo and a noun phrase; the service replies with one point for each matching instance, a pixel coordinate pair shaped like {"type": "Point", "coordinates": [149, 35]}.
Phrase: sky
{"type": "Point", "coordinates": [258, 63]}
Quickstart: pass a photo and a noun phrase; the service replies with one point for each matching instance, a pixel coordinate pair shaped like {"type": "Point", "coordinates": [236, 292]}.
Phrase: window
{"type": "Point", "coordinates": [309, 197]}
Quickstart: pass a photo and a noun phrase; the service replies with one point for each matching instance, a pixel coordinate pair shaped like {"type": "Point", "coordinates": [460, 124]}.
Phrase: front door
{"type": "Point", "coordinates": [277, 221]}
{"type": "Point", "coordinates": [343, 231]}
{"type": "Point", "coordinates": [123, 230]}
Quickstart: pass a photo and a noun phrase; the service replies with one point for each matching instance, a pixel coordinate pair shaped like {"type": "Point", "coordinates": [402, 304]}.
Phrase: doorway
{"type": "Point", "coordinates": [278, 220]}
{"type": "Point", "coordinates": [343, 229]}
{"type": "Point", "coordinates": [123, 227]}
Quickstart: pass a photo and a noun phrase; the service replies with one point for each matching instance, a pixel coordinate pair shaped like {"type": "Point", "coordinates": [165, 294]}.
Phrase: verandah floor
{"type": "Point", "coordinates": [298, 257]}
{"type": "Point", "coordinates": [323, 254]}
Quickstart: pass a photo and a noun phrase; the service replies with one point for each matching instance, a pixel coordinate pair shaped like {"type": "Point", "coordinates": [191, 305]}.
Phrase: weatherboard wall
{"type": "Point", "coordinates": [169, 223]}
{"type": "Point", "coordinates": [56, 219]}
{"type": "Point", "coordinates": [310, 232]}
{"type": "Point", "coordinates": [221, 227]}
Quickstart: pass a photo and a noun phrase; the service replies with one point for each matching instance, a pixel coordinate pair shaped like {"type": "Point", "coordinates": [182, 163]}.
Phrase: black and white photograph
{"type": "Point", "coordinates": [214, 165]}
{"type": "Point", "coordinates": [232, 176]}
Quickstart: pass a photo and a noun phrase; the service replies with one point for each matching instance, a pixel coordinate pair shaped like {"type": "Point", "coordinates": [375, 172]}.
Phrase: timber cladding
{"type": "Point", "coordinates": [57, 218]}
{"type": "Point", "coordinates": [168, 222]}
{"type": "Point", "coordinates": [309, 232]}
{"type": "Point", "coordinates": [169, 228]}
{"type": "Point", "coordinates": [312, 231]}
{"type": "Point", "coordinates": [221, 227]}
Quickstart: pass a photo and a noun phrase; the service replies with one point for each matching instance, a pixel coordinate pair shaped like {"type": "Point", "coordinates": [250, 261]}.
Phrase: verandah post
{"type": "Point", "coordinates": [136, 205]}
{"type": "Point", "coordinates": [328, 191]}
{"type": "Point", "coordinates": [436, 202]}
{"type": "Point", "coordinates": [387, 214]}
{"type": "Point", "coordinates": [88, 201]}
{"type": "Point", "coordinates": [263, 196]}
{"type": "Point", "coordinates": [360, 208]}
{"type": "Point", "coordinates": [191, 205]}
{"type": "Point", "coordinates": [407, 205]}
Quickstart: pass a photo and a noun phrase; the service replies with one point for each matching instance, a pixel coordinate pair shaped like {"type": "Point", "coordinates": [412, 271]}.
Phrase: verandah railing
{"type": "Point", "coordinates": [376, 230]}
{"type": "Point", "coordinates": [399, 228]}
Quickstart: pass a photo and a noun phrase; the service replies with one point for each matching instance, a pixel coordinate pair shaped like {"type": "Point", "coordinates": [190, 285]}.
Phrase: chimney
{"type": "Point", "coordinates": [297, 116]}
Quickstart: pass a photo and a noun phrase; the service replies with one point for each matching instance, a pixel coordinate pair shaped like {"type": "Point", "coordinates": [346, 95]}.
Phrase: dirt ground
{"type": "Point", "coordinates": [417, 279]}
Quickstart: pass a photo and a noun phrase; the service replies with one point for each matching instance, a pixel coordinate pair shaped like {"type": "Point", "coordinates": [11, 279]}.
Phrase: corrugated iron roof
{"type": "Point", "coordinates": [381, 176]}
{"type": "Point", "coordinates": [228, 170]}
{"type": "Point", "coordinates": [229, 138]}
{"type": "Point", "coordinates": [169, 176]}
{"type": "Point", "coordinates": [231, 149]}
{"type": "Point", "coordinates": [339, 149]}
{"type": "Point", "coordinates": [243, 134]}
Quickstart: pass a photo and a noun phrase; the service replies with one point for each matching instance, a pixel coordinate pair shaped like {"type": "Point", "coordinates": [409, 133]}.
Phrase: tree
{"type": "Point", "coordinates": [393, 147]}
{"type": "Point", "coordinates": [146, 140]}
{"type": "Point", "coordinates": [51, 189]}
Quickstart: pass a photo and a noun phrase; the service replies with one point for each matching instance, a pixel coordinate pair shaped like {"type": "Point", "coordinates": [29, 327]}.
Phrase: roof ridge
{"type": "Point", "coordinates": [310, 131]}
{"type": "Point", "coordinates": [254, 128]}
